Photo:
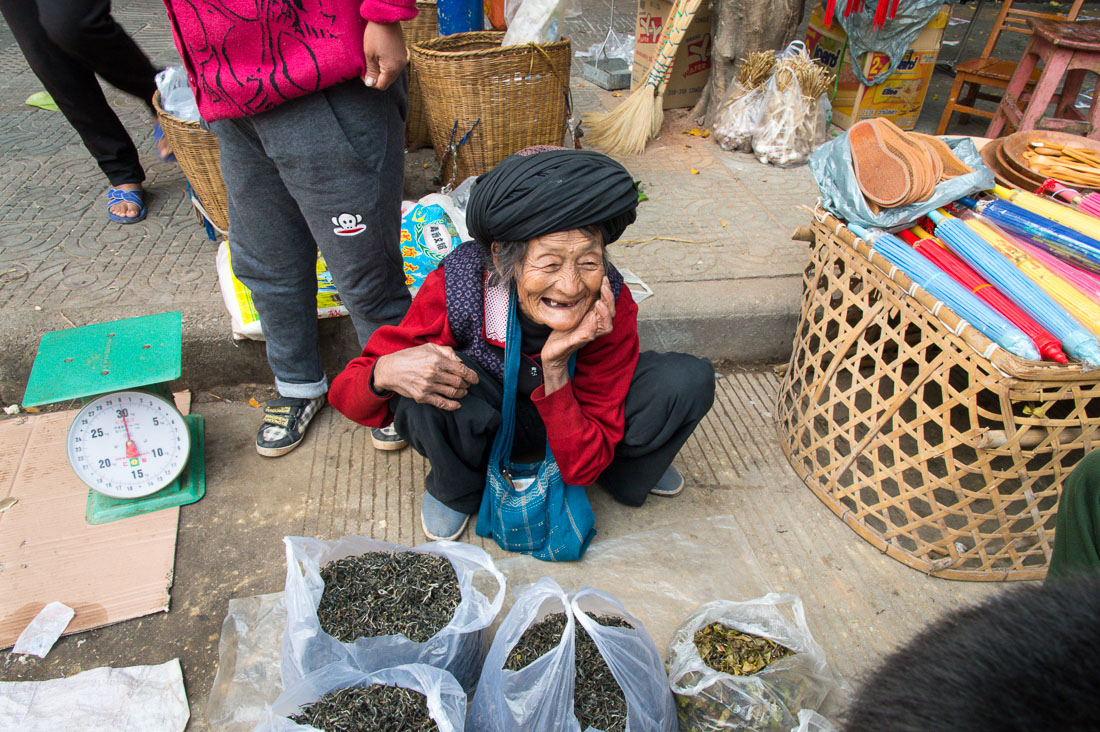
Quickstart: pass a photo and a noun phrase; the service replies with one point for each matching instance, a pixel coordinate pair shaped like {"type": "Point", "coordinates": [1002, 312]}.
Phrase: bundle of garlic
{"type": "Point", "coordinates": [790, 124]}
{"type": "Point", "coordinates": [737, 117]}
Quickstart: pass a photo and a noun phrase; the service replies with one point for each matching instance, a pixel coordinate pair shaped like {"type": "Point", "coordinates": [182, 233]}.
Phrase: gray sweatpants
{"type": "Point", "coordinates": [324, 171]}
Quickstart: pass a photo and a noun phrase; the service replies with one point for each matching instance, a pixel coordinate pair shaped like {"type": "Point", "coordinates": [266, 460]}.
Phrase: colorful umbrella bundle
{"type": "Point", "coordinates": [1086, 203]}
{"type": "Point", "coordinates": [1058, 239]}
{"type": "Point", "coordinates": [1022, 268]}
{"type": "Point", "coordinates": [966, 240]}
{"type": "Point", "coordinates": [935, 251]}
{"type": "Point", "coordinates": [940, 285]}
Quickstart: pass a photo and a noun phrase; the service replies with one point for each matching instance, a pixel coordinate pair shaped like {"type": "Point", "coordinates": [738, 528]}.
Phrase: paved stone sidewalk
{"type": "Point", "coordinates": [721, 291]}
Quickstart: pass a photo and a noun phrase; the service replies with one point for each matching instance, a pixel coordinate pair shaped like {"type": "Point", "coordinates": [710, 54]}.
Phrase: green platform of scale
{"type": "Point", "coordinates": [135, 353]}
{"type": "Point", "coordinates": [82, 363]}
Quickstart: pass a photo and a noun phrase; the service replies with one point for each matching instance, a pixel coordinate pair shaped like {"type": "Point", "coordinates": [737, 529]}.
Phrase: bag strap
{"type": "Point", "coordinates": [512, 344]}
{"type": "Point", "coordinates": [511, 378]}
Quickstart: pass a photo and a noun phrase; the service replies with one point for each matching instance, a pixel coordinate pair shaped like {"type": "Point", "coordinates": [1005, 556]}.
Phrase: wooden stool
{"type": "Point", "coordinates": [975, 77]}
{"type": "Point", "coordinates": [1066, 50]}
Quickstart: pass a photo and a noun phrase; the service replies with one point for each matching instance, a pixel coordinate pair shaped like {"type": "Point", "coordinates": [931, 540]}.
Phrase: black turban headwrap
{"type": "Point", "coordinates": [529, 195]}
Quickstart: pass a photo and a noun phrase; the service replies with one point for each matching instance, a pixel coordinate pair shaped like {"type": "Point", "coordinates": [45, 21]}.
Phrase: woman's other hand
{"type": "Point", "coordinates": [429, 374]}
{"type": "Point", "coordinates": [385, 54]}
{"type": "Point", "coordinates": [561, 344]}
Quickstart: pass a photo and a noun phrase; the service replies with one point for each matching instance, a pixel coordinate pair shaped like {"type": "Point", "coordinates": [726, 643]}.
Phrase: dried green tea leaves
{"type": "Point", "coordinates": [375, 708]}
{"type": "Point", "coordinates": [597, 699]}
{"type": "Point", "coordinates": [730, 651]}
{"type": "Point", "coordinates": [384, 593]}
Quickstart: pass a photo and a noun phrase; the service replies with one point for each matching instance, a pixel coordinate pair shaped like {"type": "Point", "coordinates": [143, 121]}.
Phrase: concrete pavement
{"type": "Point", "coordinates": [745, 525]}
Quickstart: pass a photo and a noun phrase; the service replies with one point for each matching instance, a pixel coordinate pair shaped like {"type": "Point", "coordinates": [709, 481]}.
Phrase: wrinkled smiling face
{"type": "Point", "coordinates": [560, 278]}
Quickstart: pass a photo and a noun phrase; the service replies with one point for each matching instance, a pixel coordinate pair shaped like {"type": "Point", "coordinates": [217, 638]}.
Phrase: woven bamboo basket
{"type": "Point", "coordinates": [939, 448]}
{"type": "Point", "coordinates": [423, 27]}
{"type": "Point", "coordinates": [519, 94]}
{"type": "Point", "coordinates": [196, 150]}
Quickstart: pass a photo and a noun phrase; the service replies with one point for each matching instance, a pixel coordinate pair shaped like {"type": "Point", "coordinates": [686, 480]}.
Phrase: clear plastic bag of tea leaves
{"type": "Point", "coordinates": [766, 701]}
{"type": "Point", "coordinates": [446, 699]}
{"type": "Point", "coordinates": [539, 696]}
{"type": "Point", "coordinates": [459, 647]}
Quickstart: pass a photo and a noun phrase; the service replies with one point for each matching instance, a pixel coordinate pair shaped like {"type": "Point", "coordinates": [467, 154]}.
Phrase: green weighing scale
{"type": "Point", "coordinates": [128, 442]}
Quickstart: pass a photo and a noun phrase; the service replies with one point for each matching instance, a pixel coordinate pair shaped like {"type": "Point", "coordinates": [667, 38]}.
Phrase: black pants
{"type": "Point", "coordinates": [669, 394]}
{"type": "Point", "coordinates": [68, 42]}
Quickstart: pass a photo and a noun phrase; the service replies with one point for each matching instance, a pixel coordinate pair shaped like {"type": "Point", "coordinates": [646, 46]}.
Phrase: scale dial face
{"type": "Point", "coordinates": [128, 444]}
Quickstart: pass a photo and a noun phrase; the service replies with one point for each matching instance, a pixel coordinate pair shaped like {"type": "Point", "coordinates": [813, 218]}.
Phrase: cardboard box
{"type": "Point", "coordinates": [901, 96]}
{"type": "Point", "coordinates": [690, 70]}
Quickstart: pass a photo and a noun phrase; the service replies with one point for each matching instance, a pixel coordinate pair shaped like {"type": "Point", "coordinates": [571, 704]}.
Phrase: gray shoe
{"type": "Point", "coordinates": [440, 522]}
{"type": "Point", "coordinates": [670, 484]}
{"type": "Point", "coordinates": [386, 438]}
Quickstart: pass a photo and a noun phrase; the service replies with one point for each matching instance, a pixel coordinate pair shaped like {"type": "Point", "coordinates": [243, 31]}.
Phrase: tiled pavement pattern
{"type": "Point", "coordinates": [61, 255]}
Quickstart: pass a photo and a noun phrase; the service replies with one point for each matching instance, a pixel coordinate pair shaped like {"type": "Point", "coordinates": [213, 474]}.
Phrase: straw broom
{"type": "Point", "coordinates": [626, 129]}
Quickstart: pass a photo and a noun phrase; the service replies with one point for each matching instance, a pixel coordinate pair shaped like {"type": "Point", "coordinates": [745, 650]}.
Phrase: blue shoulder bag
{"type": "Point", "coordinates": [527, 507]}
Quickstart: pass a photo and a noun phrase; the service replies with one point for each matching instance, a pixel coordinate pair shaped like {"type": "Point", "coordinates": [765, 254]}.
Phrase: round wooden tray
{"type": "Point", "coordinates": [1014, 146]}
{"type": "Point", "coordinates": [1005, 176]}
{"type": "Point", "coordinates": [1021, 172]}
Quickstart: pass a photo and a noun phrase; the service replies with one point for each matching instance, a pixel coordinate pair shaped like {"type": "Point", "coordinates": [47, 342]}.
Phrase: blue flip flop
{"type": "Point", "coordinates": [137, 198]}
{"type": "Point", "coordinates": [158, 135]}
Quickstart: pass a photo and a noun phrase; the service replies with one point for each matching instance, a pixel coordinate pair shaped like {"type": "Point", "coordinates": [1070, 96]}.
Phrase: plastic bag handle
{"type": "Point", "coordinates": [296, 577]}
{"type": "Point", "coordinates": [497, 602]}
{"type": "Point", "coordinates": [794, 48]}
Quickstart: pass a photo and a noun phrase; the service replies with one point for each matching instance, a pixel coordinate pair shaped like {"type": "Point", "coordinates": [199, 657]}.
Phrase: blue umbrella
{"type": "Point", "coordinates": [1058, 239]}
{"type": "Point", "coordinates": [940, 285]}
{"type": "Point", "coordinates": [995, 267]}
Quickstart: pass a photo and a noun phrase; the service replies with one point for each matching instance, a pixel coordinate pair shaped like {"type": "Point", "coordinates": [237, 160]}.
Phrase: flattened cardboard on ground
{"type": "Point", "coordinates": [106, 573]}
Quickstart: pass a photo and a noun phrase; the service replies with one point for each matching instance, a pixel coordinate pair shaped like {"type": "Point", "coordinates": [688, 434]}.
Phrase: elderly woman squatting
{"type": "Point", "coordinates": [541, 220]}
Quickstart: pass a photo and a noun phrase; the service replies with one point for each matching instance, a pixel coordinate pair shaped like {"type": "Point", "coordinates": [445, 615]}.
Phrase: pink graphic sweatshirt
{"type": "Point", "coordinates": [247, 56]}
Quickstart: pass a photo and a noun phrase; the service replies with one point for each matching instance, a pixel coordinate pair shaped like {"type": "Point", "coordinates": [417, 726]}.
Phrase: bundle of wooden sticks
{"type": "Point", "coordinates": [1066, 163]}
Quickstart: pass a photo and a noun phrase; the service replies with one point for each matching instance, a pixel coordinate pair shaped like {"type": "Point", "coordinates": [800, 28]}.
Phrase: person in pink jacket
{"type": "Point", "coordinates": [308, 99]}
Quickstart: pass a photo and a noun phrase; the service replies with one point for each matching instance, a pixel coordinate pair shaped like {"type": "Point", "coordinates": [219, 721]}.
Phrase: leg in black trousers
{"type": "Point", "coordinates": [68, 42]}
{"type": "Point", "coordinates": [669, 394]}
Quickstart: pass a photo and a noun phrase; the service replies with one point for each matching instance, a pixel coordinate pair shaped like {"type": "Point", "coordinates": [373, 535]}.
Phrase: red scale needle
{"type": "Point", "coordinates": [131, 448]}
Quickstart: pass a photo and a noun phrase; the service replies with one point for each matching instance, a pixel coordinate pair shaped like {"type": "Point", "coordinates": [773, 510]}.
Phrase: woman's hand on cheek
{"type": "Point", "coordinates": [429, 374]}
{"type": "Point", "coordinates": [561, 344]}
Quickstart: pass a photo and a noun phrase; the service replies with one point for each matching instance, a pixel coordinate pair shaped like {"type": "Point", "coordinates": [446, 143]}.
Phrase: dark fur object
{"type": "Point", "coordinates": [1027, 660]}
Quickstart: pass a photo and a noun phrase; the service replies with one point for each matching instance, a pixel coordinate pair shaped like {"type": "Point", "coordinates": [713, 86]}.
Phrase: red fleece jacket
{"type": "Point", "coordinates": [584, 419]}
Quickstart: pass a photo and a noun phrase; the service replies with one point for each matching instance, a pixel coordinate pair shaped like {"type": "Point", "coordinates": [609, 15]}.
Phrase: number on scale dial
{"type": "Point", "coordinates": [128, 444]}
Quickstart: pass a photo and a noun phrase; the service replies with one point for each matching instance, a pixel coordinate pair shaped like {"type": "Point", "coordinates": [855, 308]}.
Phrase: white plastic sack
{"type": "Point", "coordinates": [244, 320]}
{"type": "Point", "coordinates": [458, 648]}
{"type": "Point", "coordinates": [132, 699]}
{"type": "Point", "coordinates": [539, 697]}
{"type": "Point", "coordinates": [446, 700]}
{"type": "Point", "coordinates": [536, 21]}
{"type": "Point", "coordinates": [430, 229]}
{"type": "Point", "coordinates": [767, 701]}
